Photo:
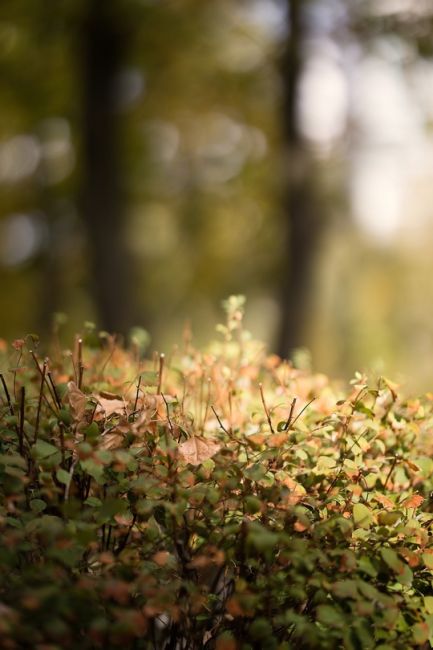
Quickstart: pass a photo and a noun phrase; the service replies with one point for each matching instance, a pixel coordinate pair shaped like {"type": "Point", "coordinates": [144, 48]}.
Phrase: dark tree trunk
{"type": "Point", "coordinates": [103, 42]}
{"type": "Point", "coordinates": [302, 225]}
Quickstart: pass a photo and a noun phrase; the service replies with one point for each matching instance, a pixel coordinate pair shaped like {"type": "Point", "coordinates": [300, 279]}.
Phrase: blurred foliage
{"type": "Point", "coordinates": [204, 168]}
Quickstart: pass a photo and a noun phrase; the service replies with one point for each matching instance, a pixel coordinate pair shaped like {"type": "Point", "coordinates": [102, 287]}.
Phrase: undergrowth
{"type": "Point", "coordinates": [216, 498]}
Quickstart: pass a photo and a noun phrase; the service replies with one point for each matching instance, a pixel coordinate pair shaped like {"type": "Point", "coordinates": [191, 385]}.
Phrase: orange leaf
{"type": "Point", "coordinates": [161, 557]}
{"type": "Point", "coordinates": [411, 558]}
{"type": "Point", "coordinates": [413, 501]}
{"type": "Point", "coordinates": [234, 607]}
{"type": "Point", "coordinates": [277, 439]}
{"type": "Point", "coordinates": [384, 501]}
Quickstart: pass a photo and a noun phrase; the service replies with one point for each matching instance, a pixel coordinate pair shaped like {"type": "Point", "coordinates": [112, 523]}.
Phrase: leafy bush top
{"type": "Point", "coordinates": [210, 499]}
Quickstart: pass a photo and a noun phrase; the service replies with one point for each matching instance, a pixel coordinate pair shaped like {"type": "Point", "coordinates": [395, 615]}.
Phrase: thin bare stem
{"type": "Point", "coordinates": [68, 486]}
{"type": "Point", "coordinates": [160, 372]}
{"type": "Point", "coordinates": [50, 390]}
{"type": "Point", "coordinates": [391, 469]}
{"type": "Point", "coordinates": [41, 392]}
{"type": "Point", "coordinates": [21, 424]}
{"type": "Point", "coordinates": [301, 412]}
{"type": "Point", "coordinates": [20, 354]}
{"type": "Point", "coordinates": [206, 410]}
{"type": "Point", "coordinates": [80, 375]}
{"type": "Point", "coordinates": [170, 424]}
{"type": "Point", "coordinates": [137, 395]}
{"type": "Point", "coordinates": [55, 391]}
{"type": "Point", "coordinates": [8, 397]}
{"type": "Point", "coordinates": [266, 408]}
{"type": "Point", "coordinates": [219, 421]}
{"type": "Point", "coordinates": [288, 424]}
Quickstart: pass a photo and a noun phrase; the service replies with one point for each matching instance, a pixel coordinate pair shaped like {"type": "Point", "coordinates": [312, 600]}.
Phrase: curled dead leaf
{"type": "Point", "coordinates": [112, 440]}
{"type": "Point", "coordinates": [77, 402]}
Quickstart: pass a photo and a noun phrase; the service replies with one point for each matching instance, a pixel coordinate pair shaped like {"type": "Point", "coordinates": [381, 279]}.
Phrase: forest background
{"type": "Point", "coordinates": [159, 155]}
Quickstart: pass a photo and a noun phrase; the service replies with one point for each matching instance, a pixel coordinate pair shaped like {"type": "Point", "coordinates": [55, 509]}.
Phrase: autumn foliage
{"type": "Point", "coordinates": [218, 498]}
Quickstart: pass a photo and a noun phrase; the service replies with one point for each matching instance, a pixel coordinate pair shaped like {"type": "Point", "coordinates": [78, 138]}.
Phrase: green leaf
{"type": "Point", "coordinates": [428, 604]}
{"type": "Point", "coordinates": [420, 633]}
{"type": "Point", "coordinates": [261, 538]}
{"type": "Point", "coordinates": [93, 469]}
{"type": "Point", "coordinates": [37, 505]}
{"type": "Point", "coordinates": [427, 558]}
{"type": "Point", "coordinates": [260, 629]}
{"type": "Point", "coordinates": [346, 589]}
{"type": "Point", "coordinates": [65, 417]}
{"type": "Point", "coordinates": [48, 455]}
{"type": "Point", "coordinates": [389, 518]}
{"type": "Point", "coordinates": [63, 476]}
{"type": "Point", "coordinates": [362, 516]}
{"type": "Point", "coordinates": [91, 432]}
{"type": "Point", "coordinates": [44, 449]}
{"type": "Point", "coordinates": [94, 502]}
{"type": "Point", "coordinates": [13, 459]}
{"type": "Point", "coordinates": [366, 565]}
{"type": "Point", "coordinates": [391, 558]}
{"type": "Point", "coordinates": [111, 507]}
{"type": "Point", "coordinates": [330, 616]}
{"type": "Point", "coordinates": [252, 504]}
{"type": "Point", "coordinates": [325, 465]}
{"type": "Point", "coordinates": [360, 407]}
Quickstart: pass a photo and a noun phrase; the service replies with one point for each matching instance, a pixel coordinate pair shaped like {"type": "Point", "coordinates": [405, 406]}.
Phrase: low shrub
{"type": "Point", "coordinates": [212, 499]}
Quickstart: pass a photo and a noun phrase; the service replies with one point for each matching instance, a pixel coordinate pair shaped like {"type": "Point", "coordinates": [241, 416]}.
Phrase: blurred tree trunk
{"type": "Point", "coordinates": [104, 39]}
{"type": "Point", "coordinates": [303, 222]}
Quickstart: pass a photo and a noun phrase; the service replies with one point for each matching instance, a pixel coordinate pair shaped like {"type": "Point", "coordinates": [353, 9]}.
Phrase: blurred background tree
{"type": "Point", "coordinates": [158, 155]}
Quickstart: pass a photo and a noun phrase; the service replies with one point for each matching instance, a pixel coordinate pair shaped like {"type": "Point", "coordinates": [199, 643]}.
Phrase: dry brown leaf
{"type": "Point", "coordinates": [112, 405]}
{"type": "Point", "coordinates": [197, 449]}
{"type": "Point", "coordinates": [77, 401]}
{"type": "Point", "coordinates": [112, 440]}
{"type": "Point", "coordinates": [297, 491]}
{"type": "Point", "coordinates": [256, 438]}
